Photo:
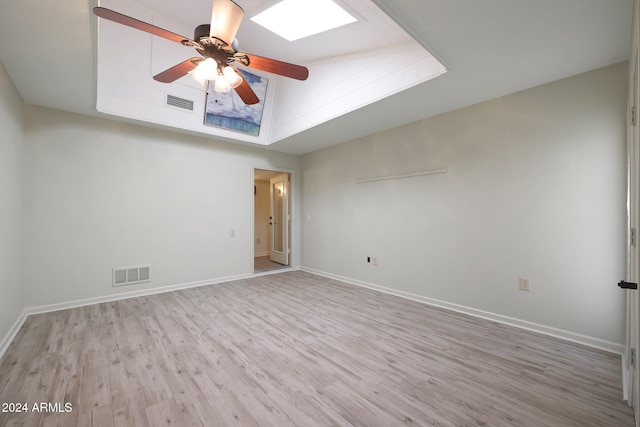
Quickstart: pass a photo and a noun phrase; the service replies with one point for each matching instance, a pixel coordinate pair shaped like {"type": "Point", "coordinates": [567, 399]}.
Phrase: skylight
{"type": "Point", "coordinates": [295, 19]}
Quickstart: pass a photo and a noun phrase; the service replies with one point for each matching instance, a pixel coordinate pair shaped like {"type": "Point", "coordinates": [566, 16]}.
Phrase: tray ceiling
{"type": "Point", "coordinates": [490, 48]}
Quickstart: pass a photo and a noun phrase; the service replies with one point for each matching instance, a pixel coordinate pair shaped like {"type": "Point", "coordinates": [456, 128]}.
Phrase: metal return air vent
{"type": "Point", "coordinates": [131, 275]}
{"type": "Point", "coordinates": [174, 101]}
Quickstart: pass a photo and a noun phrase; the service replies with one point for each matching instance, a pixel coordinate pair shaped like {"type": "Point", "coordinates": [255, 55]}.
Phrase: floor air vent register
{"type": "Point", "coordinates": [131, 275]}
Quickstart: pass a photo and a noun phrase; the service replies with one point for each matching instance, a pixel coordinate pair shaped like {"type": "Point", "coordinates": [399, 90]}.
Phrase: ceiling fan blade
{"type": "Point", "coordinates": [245, 92]}
{"type": "Point", "coordinates": [114, 16]}
{"type": "Point", "coordinates": [174, 73]}
{"type": "Point", "coordinates": [226, 17]}
{"type": "Point", "coordinates": [276, 67]}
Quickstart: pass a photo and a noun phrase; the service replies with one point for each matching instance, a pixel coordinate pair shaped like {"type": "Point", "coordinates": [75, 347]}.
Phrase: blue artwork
{"type": "Point", "coordinates": [227, 110]}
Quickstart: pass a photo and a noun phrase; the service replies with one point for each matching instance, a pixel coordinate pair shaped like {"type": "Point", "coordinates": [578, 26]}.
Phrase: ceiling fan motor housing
{"type": "Point", "coordinates": [201, 31]}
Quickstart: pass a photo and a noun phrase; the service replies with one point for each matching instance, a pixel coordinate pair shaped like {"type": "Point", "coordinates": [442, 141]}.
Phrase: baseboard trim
{"type": "Point", "coordinates": [626, 373]}
{"type": "Point", "coordinates": [133, 294]}
{"type": "Point", "coordinates": [8, 339]}
{"type": "Point", "coordinates": [506, 320]}
{"type": "Point", "coordinates": [262, 254]}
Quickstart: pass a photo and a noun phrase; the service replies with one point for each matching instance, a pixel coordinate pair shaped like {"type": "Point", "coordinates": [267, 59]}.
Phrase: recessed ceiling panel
{"type": "Point", "coordinates": [350, 67]}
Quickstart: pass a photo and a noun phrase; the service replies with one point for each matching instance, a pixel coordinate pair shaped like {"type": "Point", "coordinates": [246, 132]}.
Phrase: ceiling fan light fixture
{"type": "Point", "coordinates": [233, 78]}
{"type": "Point", "coordinates": [208, 70]}
{"type": "Point", "coordinates": [205, 71]}
{"type": "Point", "coordinates": [221, 85]}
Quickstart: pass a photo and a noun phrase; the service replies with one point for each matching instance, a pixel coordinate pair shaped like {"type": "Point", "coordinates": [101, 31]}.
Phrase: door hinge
{"type": "Point", "coordinates": [632, 357]}
{"type": "Point", "coordinates": [632, 236]}
{"type": "Point", "coordinates": [633, 115]}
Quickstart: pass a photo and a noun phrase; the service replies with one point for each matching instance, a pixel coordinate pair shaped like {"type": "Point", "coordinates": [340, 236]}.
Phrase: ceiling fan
{"type": "Point", "coordinates": [218, 47]}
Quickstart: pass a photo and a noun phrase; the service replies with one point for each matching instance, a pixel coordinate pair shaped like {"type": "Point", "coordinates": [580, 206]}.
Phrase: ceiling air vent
{"type": "Point", "coordinates": [185, 104]}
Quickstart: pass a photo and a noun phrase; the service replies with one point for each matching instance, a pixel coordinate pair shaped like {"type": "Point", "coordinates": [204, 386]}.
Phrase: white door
{"type": "Point", "coordinates": [631, 373]}
{"type": "Point", "coordinates": [279, 210]}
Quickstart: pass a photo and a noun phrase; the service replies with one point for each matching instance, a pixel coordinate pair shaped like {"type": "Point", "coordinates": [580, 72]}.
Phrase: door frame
{"type": "Point", "coordinates": [293, 229]}
{"type": "Point", "coordinates": [630, 368]}
{"type": "Point", "coordinates": [280, 256]}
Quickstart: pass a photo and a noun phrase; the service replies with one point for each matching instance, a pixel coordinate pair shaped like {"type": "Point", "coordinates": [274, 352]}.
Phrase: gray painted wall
{"type": "Point", "coordinates": [102, 194]}
{"type": "Point", "coordinates": [11, 194]}
{"type": "Point", "coordinates": [535, 188]}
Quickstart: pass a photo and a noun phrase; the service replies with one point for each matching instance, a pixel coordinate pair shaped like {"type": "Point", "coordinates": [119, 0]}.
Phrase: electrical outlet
{"type": "Point", "coordinates": [232, 232]}
{"type": "Point", "coordinates": [375, 260]}
{"type": "Point", "coordinates": [523, 284]}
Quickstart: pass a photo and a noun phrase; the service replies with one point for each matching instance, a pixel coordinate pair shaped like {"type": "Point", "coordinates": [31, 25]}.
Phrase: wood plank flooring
{"type": "Point", "coordinates": [264, 263]}
{"type": "Point", "coordinates": [294, 349]}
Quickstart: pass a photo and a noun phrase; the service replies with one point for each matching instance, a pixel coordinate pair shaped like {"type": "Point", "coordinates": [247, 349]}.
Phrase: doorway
{"type": "Point", "coordinates": [272, 220]}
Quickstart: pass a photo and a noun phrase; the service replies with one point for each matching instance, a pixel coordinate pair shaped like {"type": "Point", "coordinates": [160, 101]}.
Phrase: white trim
{"type": "Point", "coordinates": [506, 320]}
{"type": "Point", "coordinates": [262, 254]}
{"type": "Point", "coordinates": [625, 378]}
{"type": "Point", "coordinates": [8, 339]}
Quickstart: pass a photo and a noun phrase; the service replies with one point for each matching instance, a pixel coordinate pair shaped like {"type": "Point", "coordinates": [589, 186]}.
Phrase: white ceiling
{"type": "Point", "coordinates": [490, 48]}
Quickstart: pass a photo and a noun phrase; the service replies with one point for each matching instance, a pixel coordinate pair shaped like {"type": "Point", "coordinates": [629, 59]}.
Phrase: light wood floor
{"type": "Point", "coordinates": [294, 349]}
{"type": "Point", "coordinates": [264, 263]}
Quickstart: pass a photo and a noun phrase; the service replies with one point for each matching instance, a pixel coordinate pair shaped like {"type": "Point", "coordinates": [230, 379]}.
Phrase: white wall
{"type": "Point", "coordinates": [11, 194]}
{"type": "Point", "coordinates": [342, 84]}
{"type": "Point", "coordinates": [535, 188]}
{"type": "Point", "coordinates": [102, 194]}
